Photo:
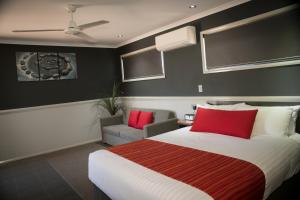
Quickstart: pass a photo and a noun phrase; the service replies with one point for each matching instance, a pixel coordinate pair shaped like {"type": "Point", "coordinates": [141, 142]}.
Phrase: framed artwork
{"type": "Point", "coordinates": [44, 66]}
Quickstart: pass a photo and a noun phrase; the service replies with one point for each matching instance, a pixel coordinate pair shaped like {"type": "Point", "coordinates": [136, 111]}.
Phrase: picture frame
{"type": "Point", "coordinates": [250, 64]}
{"type": "Point", "coordinates": [45, 66]}
{"type": "Point", "coordinates": [144, 54]}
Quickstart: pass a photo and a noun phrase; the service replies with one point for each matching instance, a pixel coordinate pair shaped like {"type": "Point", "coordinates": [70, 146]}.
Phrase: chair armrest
{"type": "Point", "coordinates": [113, 120]}
{"type": "Point", "coordinates": [160, 127]}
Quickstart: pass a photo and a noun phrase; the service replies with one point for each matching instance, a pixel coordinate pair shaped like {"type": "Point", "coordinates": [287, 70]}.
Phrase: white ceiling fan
{"type": "Point", "coordinates": [72, 29]}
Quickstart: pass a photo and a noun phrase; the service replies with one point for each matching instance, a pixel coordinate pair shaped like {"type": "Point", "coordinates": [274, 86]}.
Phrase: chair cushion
{"type": "Point", "coordinates": [133, 118]}
{"type": "Point", "coordinates": [162, 115]}
{"type": "Point", "coordinates": [124, 131]}
{"type": "Point", "coordinates": [113, 130]}
{"type": "Point", "coordinates": [144, 119]}
{"type": "Point", "coordinates": [131, 134]}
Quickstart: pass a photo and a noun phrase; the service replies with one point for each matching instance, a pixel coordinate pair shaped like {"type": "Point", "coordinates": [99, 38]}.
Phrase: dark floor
{"type": "Point", "coordinates": [289, 190]}
{"type": "Point", "coordinates": [33, 179]}
{"type": "Point", "coordinates": [50, 177]}
{"type": "Point", "coordinates": [75, 160]}
{"type": "Point", "coordinates": [63, 175]}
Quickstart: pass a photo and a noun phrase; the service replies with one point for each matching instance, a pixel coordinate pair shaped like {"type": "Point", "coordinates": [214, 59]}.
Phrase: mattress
{"type": "Point", "coordinates": [119, 178]}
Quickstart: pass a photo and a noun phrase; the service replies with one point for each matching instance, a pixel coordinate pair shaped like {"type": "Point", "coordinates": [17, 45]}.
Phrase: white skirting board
{"type": "Point", "coordinates": [32, 131]}
{"type": "Point", "coordinates": [49, 151]}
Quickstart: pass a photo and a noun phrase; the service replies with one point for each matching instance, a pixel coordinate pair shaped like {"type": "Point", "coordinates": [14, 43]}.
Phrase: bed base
{"type": "Point", "coordinates": [288, 190]}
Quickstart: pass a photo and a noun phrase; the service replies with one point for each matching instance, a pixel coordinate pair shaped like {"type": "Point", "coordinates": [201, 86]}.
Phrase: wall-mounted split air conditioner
{"type": "Point", "coordinates": [182, 37]}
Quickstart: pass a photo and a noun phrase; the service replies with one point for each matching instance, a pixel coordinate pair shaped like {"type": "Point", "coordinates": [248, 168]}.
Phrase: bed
{"type": "Point", "coordinates": [121, 178]}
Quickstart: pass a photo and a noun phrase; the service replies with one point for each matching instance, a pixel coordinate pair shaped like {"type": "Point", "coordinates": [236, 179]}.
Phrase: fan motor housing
{"type": "Point", "coordinates": [72, 30]}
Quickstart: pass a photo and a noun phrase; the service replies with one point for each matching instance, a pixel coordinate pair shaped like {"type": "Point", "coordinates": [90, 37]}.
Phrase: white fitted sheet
{"type": "Point", "coordinates": [122, 179]}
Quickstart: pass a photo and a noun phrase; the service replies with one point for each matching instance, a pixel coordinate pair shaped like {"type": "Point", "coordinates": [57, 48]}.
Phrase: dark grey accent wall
{"type": "Point", "coordinates": [96, 73]}
{"type": "Point", "coordinates": [183, 67]}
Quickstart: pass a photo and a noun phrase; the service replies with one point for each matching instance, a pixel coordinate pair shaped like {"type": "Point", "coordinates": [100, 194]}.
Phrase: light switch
{"type": "Point", "coordinates": [200, 88]}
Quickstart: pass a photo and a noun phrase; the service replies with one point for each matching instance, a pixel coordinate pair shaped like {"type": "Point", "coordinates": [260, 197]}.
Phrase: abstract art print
{"type": "Point", "coordinates": [67, 66]}
{"type": "Point", "coordinates": [43, 66]}
{"type": "Point", "coordinates": [27, 66]}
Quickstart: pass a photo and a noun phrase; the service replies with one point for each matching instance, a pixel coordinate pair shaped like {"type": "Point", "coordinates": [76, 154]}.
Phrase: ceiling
{"type": "Point", "coordinates": [133, 19]}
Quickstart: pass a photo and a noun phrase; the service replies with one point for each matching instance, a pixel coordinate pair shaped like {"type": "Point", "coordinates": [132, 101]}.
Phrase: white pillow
{"type": "Point", "coordinates": [292, 126]}
{"type": "Point", "coordinates": [272, 120]}
{"type": "Point", "coordinates": [237, 106]}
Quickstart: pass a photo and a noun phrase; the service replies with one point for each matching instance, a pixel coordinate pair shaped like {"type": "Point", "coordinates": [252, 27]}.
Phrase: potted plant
{"type": "Point", "coordinates": [111, 104]}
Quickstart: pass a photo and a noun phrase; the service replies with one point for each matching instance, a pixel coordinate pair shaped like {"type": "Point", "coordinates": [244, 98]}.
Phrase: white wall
{"type": "Point", "coordinates": [31, 131]}
{"type": "Point", "coordinates": [183, 105]}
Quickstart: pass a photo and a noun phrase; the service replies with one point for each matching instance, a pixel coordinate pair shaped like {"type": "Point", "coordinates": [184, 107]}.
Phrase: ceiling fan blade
{"type": "Point", "coordinates": [85, 37]}
{"type": "Point", "coordinates": [36, 30]}
{"type": "Point", "coordinates": [92, 24]}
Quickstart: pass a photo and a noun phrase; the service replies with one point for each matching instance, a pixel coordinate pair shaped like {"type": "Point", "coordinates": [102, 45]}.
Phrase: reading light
{"type": "Point", "coordinates": [192, 6]}
{"type": "Point", "coordinates": [120, 36]}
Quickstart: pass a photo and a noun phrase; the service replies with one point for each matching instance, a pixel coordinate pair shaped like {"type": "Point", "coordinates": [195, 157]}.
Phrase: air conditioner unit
{"type": "Point", "coordinates": [182, 37]}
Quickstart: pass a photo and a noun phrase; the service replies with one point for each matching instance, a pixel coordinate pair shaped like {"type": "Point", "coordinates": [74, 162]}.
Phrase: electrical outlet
{"type": "Point", "coordinates": [200, 88]}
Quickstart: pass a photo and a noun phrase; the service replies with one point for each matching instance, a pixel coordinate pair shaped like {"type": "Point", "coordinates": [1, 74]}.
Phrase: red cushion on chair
{"type": "Point", "coordinates": [144, 119]}
{"type": "Point", "coordinates": [238, 123]}
{"type": "Point", "coordinates": [133, 118]}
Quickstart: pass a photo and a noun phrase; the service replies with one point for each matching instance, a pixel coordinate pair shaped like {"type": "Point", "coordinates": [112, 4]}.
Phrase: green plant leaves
{"type": "Point", "coordinates": [111, 103]}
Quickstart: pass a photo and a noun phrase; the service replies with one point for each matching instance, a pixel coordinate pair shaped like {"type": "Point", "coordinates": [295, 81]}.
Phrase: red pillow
{"type": "Point", "coordinates": [144, 119]}
{"type": "Point", "coordinates": [133, 118]}
{"type": "Point", "coordinates": [238, 123]}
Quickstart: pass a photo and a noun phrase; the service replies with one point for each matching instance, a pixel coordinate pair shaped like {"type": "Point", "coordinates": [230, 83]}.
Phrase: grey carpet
{"type": "Point", "coordinates": [33, 179]}
{"type": "Point", "coordinates": [72, 165]}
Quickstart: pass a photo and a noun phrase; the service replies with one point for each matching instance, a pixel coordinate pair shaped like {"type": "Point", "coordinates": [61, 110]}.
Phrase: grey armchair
{"type": "Point", "coordinates": [115, 130]}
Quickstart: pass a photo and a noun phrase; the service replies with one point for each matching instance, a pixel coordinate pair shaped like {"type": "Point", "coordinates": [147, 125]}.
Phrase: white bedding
{"type": "Point", "coordinates": [121, 179]}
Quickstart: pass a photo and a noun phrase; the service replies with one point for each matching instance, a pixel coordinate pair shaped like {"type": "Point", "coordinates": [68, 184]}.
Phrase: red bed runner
{"type": "Point", "coordinates": [221, 177]}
